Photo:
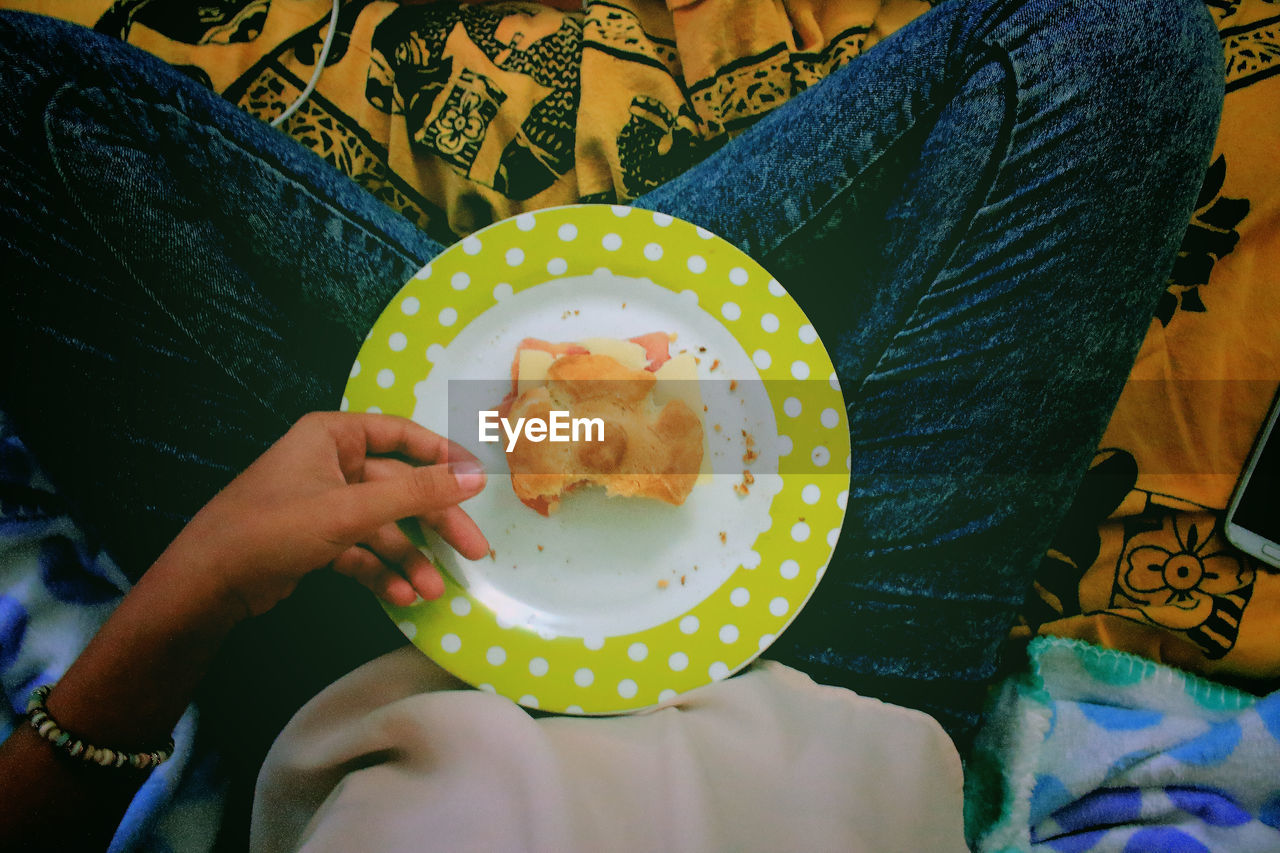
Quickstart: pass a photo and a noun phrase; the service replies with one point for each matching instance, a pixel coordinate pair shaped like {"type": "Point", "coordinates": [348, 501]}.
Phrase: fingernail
{"type": "Point", "coordinates": [470, 475]}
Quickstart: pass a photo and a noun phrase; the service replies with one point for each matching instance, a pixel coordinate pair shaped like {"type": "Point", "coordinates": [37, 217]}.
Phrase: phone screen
{"type": "Point", "coordinates": [1258, 509]}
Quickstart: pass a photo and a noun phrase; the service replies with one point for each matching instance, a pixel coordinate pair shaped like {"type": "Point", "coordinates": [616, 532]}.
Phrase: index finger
{"type": "Point", "coordinates": [386, 435]}
{"type": "Point", "coordinates": [353, 510]}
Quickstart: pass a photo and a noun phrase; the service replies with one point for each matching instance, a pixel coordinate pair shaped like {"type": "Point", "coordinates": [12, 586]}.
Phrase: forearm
{"type": "Point", "coordinates": [328, 493]}
{"type": "Point", "coordinates": [126, 691]}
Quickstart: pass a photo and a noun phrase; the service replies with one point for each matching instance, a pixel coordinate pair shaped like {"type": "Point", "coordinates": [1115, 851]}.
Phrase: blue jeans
{"type": "Point", "coordinates": [978, 215]}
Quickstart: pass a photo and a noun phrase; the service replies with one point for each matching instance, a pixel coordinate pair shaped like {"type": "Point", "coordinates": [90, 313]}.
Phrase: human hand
{"type": "Point", "coordinates": [329, 493]}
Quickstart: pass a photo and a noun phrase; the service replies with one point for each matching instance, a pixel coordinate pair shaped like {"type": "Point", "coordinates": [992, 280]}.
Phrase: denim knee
{"type": "Point", "coordinates": [45, 48]}
{"type": "Point", "coordinates": [1175, 42]}
{"type": "Point", "coordinates": [40, 55]}
{"type": "Point", "coordinates": [1154, 67]}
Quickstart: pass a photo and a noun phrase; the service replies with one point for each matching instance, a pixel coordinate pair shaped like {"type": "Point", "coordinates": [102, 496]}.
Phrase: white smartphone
{"type": "Point", "coordinates": [1253, 516]}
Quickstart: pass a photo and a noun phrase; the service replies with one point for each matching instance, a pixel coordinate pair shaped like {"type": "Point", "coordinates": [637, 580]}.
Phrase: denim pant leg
{"type": "Point", "coordinates": [182, 282]}
{"type": "Point", "coordinates": [978, 216]}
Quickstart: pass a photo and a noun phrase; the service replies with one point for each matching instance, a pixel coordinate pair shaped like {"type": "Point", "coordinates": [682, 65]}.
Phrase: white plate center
{"type": "Point", "coordinates": [604, 566]}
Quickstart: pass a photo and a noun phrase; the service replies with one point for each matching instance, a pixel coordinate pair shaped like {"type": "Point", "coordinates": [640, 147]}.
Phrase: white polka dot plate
{"type": "Point", "coordinates": [616, 604]}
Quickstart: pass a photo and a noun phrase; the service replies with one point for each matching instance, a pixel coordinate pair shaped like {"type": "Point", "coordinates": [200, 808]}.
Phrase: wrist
{"type": "Point", "coordinates": [136, 677]}
{"type": "Point", "coordinates": [76, 748]}
{"type": "Point", "coordinates": [191, 590]}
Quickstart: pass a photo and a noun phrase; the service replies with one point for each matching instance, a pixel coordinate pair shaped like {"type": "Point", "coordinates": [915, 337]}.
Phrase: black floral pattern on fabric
{"type": "Point", "coordinates": [206, 22]}
{"type": "Point", "coordinates": [448, 109]}
{"type": "Point", "coordinates": [1077, 544]}
{"type": "Point", "coordinates": [458, 130]}
{"type": "Point", "coordinates": [656, 146]}
{"type": "Point", "coordinates": [1211, 236]}
{"type": "Point", "coordinates": [1174, 569]}
{"type": "Point", "coordinates": [1182, 575]}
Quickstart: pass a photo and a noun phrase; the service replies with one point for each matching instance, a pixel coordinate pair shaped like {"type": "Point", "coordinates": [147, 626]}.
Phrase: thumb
{"type": "Point", "coordinates": [366, 506]}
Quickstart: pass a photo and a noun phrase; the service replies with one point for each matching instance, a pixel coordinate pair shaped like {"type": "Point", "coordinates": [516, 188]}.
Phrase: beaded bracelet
{"type": "Point", "coordinates": [75, 747]}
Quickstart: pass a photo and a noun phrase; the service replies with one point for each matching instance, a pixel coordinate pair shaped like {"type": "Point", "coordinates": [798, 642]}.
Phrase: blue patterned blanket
{"type": "Point", "coordinates": [1098, 750]}
{"type": "Point", "coordinates": [56, 589]}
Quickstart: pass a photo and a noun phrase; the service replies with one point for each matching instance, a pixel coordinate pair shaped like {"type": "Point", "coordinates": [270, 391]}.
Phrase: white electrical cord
{"type": "Point", "coordinates": [315, 75]}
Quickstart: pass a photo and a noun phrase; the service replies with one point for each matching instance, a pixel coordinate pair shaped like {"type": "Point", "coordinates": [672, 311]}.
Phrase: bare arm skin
{"type": "Point", "coordinates": [328, 493]}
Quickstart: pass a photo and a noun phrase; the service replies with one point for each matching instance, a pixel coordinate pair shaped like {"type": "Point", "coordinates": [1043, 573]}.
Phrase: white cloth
{"type": "Point", "coordinates": [399, 756]}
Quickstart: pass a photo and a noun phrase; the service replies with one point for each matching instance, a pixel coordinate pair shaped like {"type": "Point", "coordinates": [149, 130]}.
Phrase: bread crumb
{"type": "Point", "coordinates": [716, 427]}
{"type": "Point", "coordinates": [747, 478]}
{"type": "Point", "coordinates": [662, 584]}
{"type": "Point", "coordinates": [723, 537]}
{"type": "Point", "coordinates": [493, 555]}
{"type": "Point", "coordinates": [715, 364]}
{"type": "Point", "coordinates": [682, 580]}
{"type": "Point", "coordinates": [624, 305]}
{"type": "Point", "coordinates": [750, 456]}
{"type": "Point", "coordinates": [702, 349]}
{"type": "Point", "coordinates": [539, 547]}
{"type": "Point", "coordinates": [697, 360]}
{"type": "Point", "coordinates": [733, 385]}
{"type": "Point", "coordinates": [741, 490]}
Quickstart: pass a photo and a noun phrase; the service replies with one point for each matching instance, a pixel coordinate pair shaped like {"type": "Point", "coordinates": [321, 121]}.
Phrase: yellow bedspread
{"type": "Point", "coordinates": [458, 115]}
{"type": "Point", "coordinates": [1142, 564]}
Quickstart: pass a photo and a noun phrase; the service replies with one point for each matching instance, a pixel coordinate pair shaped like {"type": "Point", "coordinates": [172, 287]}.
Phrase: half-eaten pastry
{"type": "Point", "coordinates": [643, 403]}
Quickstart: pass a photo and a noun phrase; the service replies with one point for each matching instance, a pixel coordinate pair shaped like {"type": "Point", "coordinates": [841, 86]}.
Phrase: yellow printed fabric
{"type": "Point", "coordinates": [460, 114]}
{"type": "Point", "coordinates": [1141, 563]}
{"type": "Point", "coordinates": [457, 115]}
